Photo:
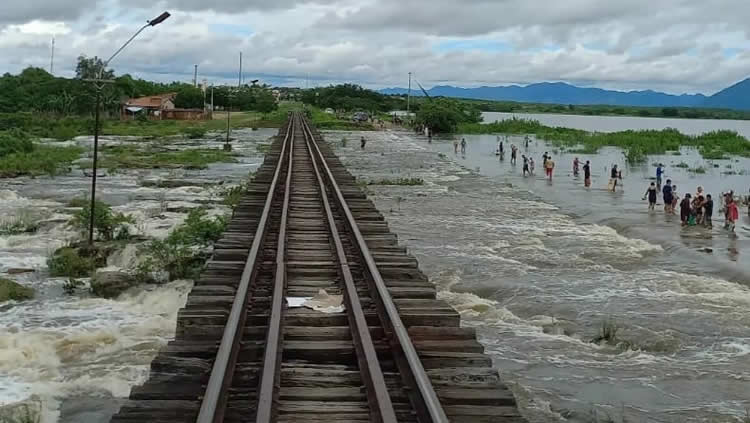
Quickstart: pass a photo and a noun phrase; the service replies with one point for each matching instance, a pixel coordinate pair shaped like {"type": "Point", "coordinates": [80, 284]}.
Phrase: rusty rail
{"type": "Point", "coordinates": [214, 400]}
{"type": "Point", "coordinates": [381, 408]}
{"type": "Point", "coordinates": [275, 335]}
{"type": "Point", "coordinates": [423, 396]}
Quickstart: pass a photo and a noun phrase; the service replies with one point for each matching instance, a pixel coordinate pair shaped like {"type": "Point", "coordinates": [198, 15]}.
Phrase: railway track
{"type": "Point", "coordinates": [242, 355]}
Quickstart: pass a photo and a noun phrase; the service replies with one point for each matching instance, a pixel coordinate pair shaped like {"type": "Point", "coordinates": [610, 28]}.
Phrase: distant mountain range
{"type": "Point", "coordinates": [735, 97]}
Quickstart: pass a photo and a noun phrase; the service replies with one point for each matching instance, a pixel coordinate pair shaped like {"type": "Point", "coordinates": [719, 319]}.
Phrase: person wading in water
{"type": "Point", "coordinates": [587, 174]}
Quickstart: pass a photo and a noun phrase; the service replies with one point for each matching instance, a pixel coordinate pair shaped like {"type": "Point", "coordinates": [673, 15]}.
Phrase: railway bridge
{"type": "Point", "coordinates": [245, 352]}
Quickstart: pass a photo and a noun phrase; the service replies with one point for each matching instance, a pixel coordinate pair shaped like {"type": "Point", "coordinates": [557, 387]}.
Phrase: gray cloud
{"type": "Point", "coordinates": [676, 47]}
{"type": "Point", "coordinates": [22, 11]}
{"type": "Point", "coordinates": [224, 6]}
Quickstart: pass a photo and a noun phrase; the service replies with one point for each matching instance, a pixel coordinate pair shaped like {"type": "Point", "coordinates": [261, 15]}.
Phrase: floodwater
{"type": "Point", "coordinates": [624, 123]}
{"type": "Point", "coordinates": [539, 268]}
{"type": "Point", "coordinates": [76, 357]}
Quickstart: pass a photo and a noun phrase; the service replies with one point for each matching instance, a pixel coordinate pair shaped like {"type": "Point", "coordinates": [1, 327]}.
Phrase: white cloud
{"type": "Point", "coordinates": [676, 47]}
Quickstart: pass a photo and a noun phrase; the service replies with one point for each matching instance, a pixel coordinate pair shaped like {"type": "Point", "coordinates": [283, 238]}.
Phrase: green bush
{"type": "Point", "coordinates": [68, 261]}
{"type": "Point", "coordinates": [181, 253]}
{"type": "Point", "coordinates": [10, 290]}
{"type": "Point", "coordinates": [195, 132]}
{"type": "Point", "coordinates": [107, 223]}
{"type": "Point", "coordinates": [15, 141]}
{"type": "Point", "coordinates": [42, 160]}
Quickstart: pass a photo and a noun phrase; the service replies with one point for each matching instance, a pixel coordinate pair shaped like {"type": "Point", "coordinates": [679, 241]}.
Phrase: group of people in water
{"type": "Point", "coordinates": [694, 209]}
{"type": "Point", "coordinates": [528, 162]}
{"type": "Point", "coordinates": [697, 209]}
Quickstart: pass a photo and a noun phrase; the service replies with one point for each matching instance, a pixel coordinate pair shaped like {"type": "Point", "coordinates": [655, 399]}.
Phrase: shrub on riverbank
{"type": "Point", "coordinates": [182, 252]}
{"type": "Point", "coordinates": [10, 290]}
{"type": "Point", "coordinates": [68, 261]}
{"type": "Point", "coordinates": [636, 144]}
{"type": "Point", "coordinates": [108, 224]}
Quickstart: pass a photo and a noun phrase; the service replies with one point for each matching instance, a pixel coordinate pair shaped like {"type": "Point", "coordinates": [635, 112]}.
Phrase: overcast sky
{"type": "Point", "coordinates": [668, 45]}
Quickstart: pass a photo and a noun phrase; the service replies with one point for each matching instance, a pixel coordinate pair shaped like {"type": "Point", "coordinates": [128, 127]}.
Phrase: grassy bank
{"type": "Point", "coordinates": [19, 155]}
{"type": "Point", "coordinates": [133, 157]}
{"type": "Point", "coordinates": [636, 144]}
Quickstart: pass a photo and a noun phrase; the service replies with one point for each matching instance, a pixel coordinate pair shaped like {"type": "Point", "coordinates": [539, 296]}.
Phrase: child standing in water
{"type": "Point", "coordinates": [733, 213]}
{"type": "Point", "coordinates": [549, 167]}
{"type": "Point", "coordinates": [463, 145]}
{"type": "Point", "coordinates": [531, 165]}
{"type": "Point", "coordinates": [651, 193]}
{"type": "Point", "coordinates": [455, 145]}
{"type": "Point", "coordinates": [675, 198]}
{"type": "Point", "coordinates": [708, 211]}
{"type": "Point", "coordinates": [526, 170]}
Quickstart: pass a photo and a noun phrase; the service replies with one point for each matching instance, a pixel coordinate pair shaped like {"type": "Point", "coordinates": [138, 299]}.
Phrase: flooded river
{"type": "Point", "coordinates": [539, 268]}
{"type": "Point", "coordinates": [77, 356]}
{"type": "Point", "coordinates": [624, 123]}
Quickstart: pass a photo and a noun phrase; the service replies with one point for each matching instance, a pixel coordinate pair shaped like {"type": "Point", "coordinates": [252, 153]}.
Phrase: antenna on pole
{"type": "Point", "coordinates": [52, 58]}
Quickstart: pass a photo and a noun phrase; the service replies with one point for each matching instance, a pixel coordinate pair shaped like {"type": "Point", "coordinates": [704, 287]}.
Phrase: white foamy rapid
{"type": "Point", "coordinates": [75, 357]}
{"type": "Point", "coordinates": [539, 286]}
{"type": "Point", "coordinates": [84, 347]}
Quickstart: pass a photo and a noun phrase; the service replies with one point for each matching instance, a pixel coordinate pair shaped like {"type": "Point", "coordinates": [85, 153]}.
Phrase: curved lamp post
{"type": "Point", "coordinates": [99, 85]}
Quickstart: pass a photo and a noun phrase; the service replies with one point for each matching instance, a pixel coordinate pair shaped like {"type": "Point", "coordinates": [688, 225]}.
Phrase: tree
{"type": "Point", "coordinates": [265, 102]}
{"type": "Point", "coordinates": [443, 115]}
{"type": "Point", "coordinates": [189, 97]}
{"type": "Point", "coordinates": [89, 68]}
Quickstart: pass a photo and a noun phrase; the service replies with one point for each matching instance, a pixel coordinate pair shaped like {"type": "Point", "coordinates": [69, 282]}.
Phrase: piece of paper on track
{"type": "Point", "coordinates": [325, 303]}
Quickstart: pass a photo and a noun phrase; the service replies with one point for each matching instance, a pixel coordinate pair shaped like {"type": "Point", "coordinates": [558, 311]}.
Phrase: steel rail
{"type": "Point", "coordinates": [381, 407]}
{"type": "Point", "coordinates": [214, 400]}
{"type": "Point", "coordinates": [275, 336]}
{"type": "Point", "coordinates": [424, 399]}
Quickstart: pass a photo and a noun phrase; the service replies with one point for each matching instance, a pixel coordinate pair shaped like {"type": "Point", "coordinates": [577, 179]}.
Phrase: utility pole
{"type": "Point", "coordinates": [240, 84]}
{"type": "Point", "coordinates": [99, 86]}
{"type": "Point", "coordinates": [195, 77]}
{"type": "Point", "coordinates": [408, 100]}
{"type": "Point", "coordinates": [52, 59]}
{"type": "Point", "coordinates": [212, 101]}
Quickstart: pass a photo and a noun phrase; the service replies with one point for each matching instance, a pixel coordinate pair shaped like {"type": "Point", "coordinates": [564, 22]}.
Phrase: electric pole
{"type": "Point", "coordinates": [52, 59]}
{"type": "Point", "coordinates": [195, 77]}
{"type": "Point", "coordinates": [408, 100]}
{"type": "Point", "coordinates": [240, 78]}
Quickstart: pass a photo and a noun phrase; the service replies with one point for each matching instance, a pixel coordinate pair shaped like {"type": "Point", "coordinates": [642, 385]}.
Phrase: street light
{"type": "Point", "coordinates": [99, 85]}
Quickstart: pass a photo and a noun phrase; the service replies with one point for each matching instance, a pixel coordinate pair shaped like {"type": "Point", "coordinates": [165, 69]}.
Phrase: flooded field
{"type": "Point", "coordinates": [540, 269]}
{"type": "Point", "coordinates": [76, 356]}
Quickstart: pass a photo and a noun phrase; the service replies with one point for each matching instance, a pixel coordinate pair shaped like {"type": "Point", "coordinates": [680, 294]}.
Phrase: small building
{"type": "Point", "coordinates": [152, 106]}
{"type": "Point", "coordinates": [158, 107]}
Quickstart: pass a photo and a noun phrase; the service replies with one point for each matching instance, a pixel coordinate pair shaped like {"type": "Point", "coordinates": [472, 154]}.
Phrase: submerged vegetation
{"type": "Point", "coordinates": [182, 253]}
{"type": "Point", "coordinates": [19, 155]}
{"type": "Point", "coordinates": [636, 144]}
{"type": "Point", "coordinates": [10, 290]}
{"type": "Point", "coordinates": [398, 181]}
{"type": "Point", "coordinates": [133, 157]}
{"type": "Point", "coordinates": [108, 224]}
